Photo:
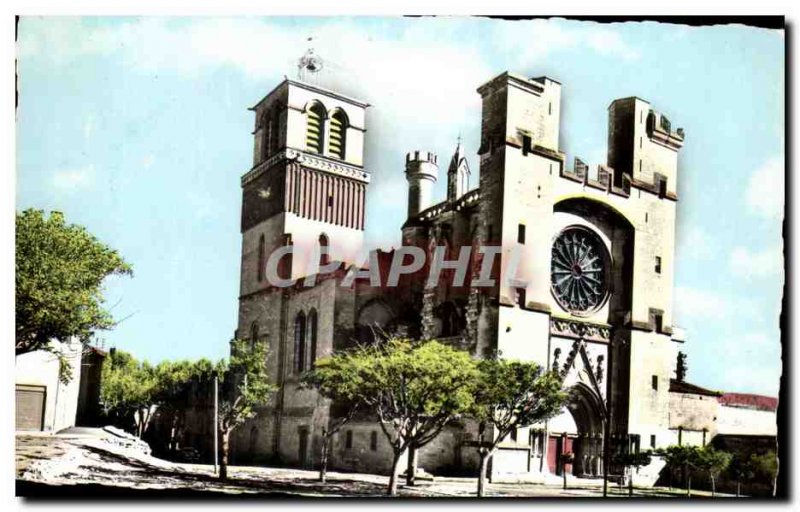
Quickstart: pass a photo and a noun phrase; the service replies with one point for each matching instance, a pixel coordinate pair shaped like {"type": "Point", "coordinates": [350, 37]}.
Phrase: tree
{"type": "Point", "coordinates": [338, 379]}
{"type": "Point", "coordinates": [741, 469]}
{"type": "Point", "coordinates": [172, 393]}
{"type": "Point", "coordinates": [245, 387]}
{"type": "Point", "coordinates": [683, 457]}
{"type": "Point", "coordinates": [630, 461]}
{"type": "Point", "coordinates": [60, 269]}
{"type": "Point", "coordinates": [765, 467]}
{"type": "Point", "coordinates": [509, 395]}
{"type": "Point", "coordinates": [127, 391]}
{"type": "Point", "coordinates": [414, 389]}
{"type": "Point", "coordinates": [566, 458]}
{"type": "Point", "coordinates": [712, 461]}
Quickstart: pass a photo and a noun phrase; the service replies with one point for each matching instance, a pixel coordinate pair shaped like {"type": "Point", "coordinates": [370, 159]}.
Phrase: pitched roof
{"type": "Point", "coordinates": [678, 386]}
{"type": "Point", "coordinates": [749, 401]}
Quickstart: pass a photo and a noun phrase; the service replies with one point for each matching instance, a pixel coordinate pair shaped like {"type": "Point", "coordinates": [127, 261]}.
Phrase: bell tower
{"type": "Point", "coordinates": [307, 186]}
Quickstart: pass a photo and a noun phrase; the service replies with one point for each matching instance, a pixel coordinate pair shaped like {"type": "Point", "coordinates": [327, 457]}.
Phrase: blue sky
{"type": "Point", "coordinates": [138, 128]}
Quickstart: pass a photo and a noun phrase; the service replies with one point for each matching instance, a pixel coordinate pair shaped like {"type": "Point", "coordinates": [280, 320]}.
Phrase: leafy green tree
{"type": "Point", "coordinates": [337, 378]}
{"type": "Point", "coordinates": [741, 469]}
{"type": "Point", "coordinates": [631, 461]}
{"type": "Point", "coordinates": [60, 269]}
{"type": "Point", "coordinates": [765, 467]}
{"type": "Point", "coordinates": [246, 387]}
{"type": "Point", "coordinates": [172, 393]}
{"type": "Point", "coordinates": [712, 461]}
{"type": "Point", "coordinates": [127, 391]}
{"type": "Point", "coordinates": [509, 395]}
{"type": "Point", "coordinates": [684, 458]}
{"type": "Point", "coordinates": [414, 389]}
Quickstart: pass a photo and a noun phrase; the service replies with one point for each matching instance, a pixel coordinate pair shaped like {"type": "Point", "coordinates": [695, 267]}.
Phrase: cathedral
{"type": "Point", "coordinates": [590, 296]}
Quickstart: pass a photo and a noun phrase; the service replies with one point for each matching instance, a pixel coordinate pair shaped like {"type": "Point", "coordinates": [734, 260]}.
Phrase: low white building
{"type": "Point", "coordinates": [43, 402]}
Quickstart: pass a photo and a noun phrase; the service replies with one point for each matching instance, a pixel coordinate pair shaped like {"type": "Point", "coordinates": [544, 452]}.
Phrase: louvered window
{"type": "Point", "coordinates": [315, 130]}
{"type": "Point", "coordinates": [338, 134]}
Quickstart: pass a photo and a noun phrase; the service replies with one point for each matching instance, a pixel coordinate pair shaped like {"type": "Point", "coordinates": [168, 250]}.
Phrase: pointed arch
{"type": "Point", "coordinates": [299, 342]}
{"type": "Point", "coordinates": [338, 136]}
{"type": "Point", "coordinates": [312, 338]}
{"type": "Point", "coordinates": [315, 127]}
{"type": "Point", "coordinates": [262, 253]}
{"type": "Point", "coordinates": [324, 249]}
{"type": "Point", "coordinates": [253, 334]}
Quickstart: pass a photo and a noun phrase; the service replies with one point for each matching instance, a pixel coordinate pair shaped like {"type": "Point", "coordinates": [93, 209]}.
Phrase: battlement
{"type": "Point", "coordinates": [422, 156]}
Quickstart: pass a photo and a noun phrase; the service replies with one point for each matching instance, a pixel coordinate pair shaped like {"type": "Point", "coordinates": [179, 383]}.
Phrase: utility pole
{"type": "Point", "coordinates": [216, 422]}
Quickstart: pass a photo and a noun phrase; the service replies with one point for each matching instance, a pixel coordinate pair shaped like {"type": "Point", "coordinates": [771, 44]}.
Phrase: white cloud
{"type": "Point", "coordinates": [697, 303]}
{"type": "Point", "coordinates": [533, 40]}
{"type": "Point", "coordinates": [694, 242]}
{"type": "Point", "coordinates": [752, 364]}
{"type": "Point", "coordinates": [757, 264]}
{"type": "Point", "coordinates": [65, 180]}
{"type": "Point", "coordinates": [765, 189]}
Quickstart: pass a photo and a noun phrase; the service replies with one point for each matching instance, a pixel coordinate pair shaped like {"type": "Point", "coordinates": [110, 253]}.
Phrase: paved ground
{"type": "Point", "coordinates": [81, 464]}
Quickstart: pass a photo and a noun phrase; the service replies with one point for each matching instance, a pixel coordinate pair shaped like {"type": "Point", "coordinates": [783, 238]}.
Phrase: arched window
{"type": "Point", "coordinates": [312, 336]}
{"type": "Point", "coordinates": [261, 255]}
{"type": "Point", "coordinates": [324, 248]}
{"type": "Point", "coordinates": [299, 342]}
{"type": "Point", "coordinates": [275, 130]}
{"type": "Point", "coordinates": [338, 137]}
{"type": "Point", "coordinates": [253, 335]}
{"type": "Point", "coordinates": [315, 128]}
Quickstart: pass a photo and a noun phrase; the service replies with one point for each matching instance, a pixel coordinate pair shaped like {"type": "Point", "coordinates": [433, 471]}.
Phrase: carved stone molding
{"type": "Point", "coordinates": [317, 162]}
{"type": "Point", "coordinates": [579, 330]}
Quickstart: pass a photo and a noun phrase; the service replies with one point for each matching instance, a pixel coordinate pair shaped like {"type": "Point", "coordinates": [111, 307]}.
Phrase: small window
{"type": "Point", "coordinates": [521, 233]}
{"type": "Point", "coordinates": [658, 264]}
{"type": "Point", "coordinates": [348, 440]}
{"type": "Point", "coordinates": [662, 187]}
{"type": "Point", "coordinates": [646, 217]}
{"type": "Point", "coordinates": [521, 297]}
{"type": "Point", "coordinates": [640, 165]}
{"type": "Point", "coordinates": [550, 108]}
{"type": "Point", "coordinates": [526, 144]}
{"type": "Point", "coordinates": [373, 441]}
{"type": "Point", "coordinates": [659, 323]}
{"type": "Point", "coordinates": [640, 143]}
{"type": "Point", "coordinates": [652, 441]}
{"type": "Point", "coordinates": [261, 258]}
{"type": "Point", "coordinates": [654, 382]}
{"type": "Point", "coordinates": [513, 435]}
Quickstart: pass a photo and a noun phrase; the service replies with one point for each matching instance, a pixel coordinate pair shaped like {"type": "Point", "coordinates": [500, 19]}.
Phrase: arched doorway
{"type": "Point", "coordinates": [578, 430]}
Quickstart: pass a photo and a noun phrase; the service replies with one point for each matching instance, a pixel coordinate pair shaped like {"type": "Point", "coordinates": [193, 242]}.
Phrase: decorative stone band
{"type": "Point", "coordinates": [311, 161]}
{"type": "Point", "coordinates": [579, 330]}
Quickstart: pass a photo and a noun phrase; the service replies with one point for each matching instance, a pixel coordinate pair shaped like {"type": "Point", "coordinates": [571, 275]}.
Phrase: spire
{"type": "Point", "coordinates": [458, 173]}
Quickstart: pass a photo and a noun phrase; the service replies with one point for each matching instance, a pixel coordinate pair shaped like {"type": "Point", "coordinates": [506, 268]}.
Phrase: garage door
{"type": "Point", "coordinates": [30, 407]}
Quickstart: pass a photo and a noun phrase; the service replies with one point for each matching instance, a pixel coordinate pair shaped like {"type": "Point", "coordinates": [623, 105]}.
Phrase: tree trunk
{"type": "Point", "coordinates": [411, 467]}
{"type": "Point", "coordinates": [630, 484]}
{"type": "Point", "coordinates": [738, 488]}
{"type": "Point", "coordinates": [393, 478]}
{"type": "Point", "coordinates": [688, 484]}
{"type": "Point", "coordinates": [323, 464]}
{"type": "Point", "coordinates": [564, 473]}
{"type": "Point", "coordinates": [713, 485]}
{"type": "Point", "coordinates": [223, 463]}
{"type": "Point", "coordinates": [485, 455]}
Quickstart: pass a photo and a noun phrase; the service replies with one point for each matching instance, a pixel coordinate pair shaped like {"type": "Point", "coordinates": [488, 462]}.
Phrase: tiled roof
{"type": "Point", "coordinates": [749, 401]}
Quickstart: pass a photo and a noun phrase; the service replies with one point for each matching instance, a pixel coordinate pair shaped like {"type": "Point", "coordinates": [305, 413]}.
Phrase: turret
{"type": "Point", "coordinates": [643, 144]}
{"type": "Point", "coordinates": [457, 174]}
{"type": "Point", "coordinates": [422, 169]}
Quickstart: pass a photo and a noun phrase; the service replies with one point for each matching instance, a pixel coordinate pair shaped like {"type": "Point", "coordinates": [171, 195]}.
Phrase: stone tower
{"type": "Point", "coordinates": [586, 270]}
{"type": "Point", "coordinates": [422, 170]}
{"type": "Point", "coordinates": [307, 187]}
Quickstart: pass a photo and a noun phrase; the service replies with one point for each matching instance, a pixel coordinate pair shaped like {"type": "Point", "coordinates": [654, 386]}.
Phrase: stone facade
{"type": "Point", "coordinates": [617, 357]}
